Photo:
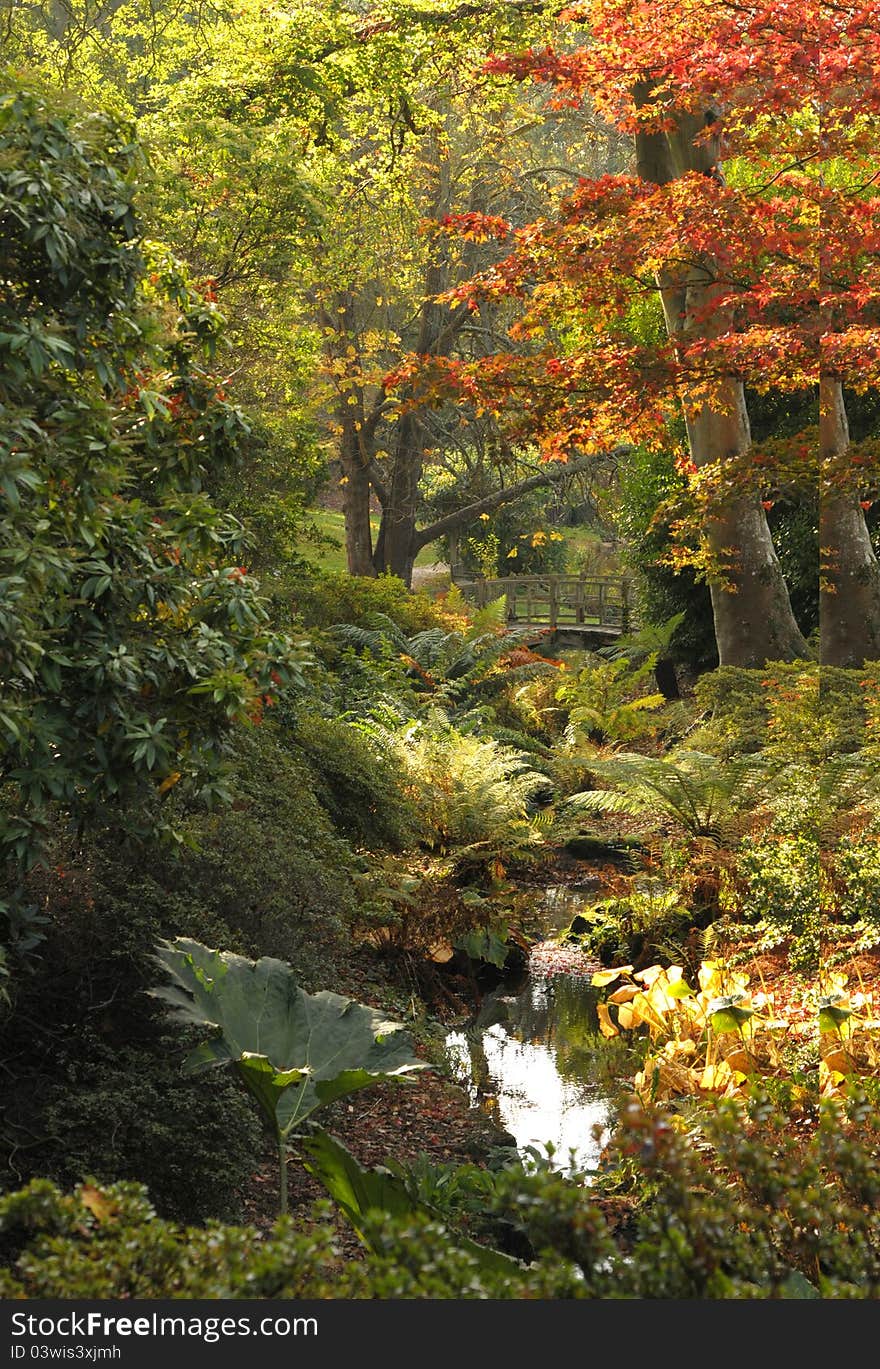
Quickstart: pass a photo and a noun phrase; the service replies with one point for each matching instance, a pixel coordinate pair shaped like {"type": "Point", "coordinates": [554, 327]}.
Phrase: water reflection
{"type": "Point", "coordinates": [526, 1059]}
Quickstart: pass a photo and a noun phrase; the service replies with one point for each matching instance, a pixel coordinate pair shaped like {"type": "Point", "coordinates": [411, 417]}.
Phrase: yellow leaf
{"type": "Point", "coordinates": [623, 995]}
{"type": "Point", "coordinates": [715, 1078]}
{"type": "Point", "coordinates": [603, 977]}
{"type": "Point", "coordinates": [606, 1026]}
{"type": "Point", "coordinates": [101, 1207]}
{"type": "Point", "coordinates": [626, 1018]}
{"type": "Point", "coordinates": [169, 782]}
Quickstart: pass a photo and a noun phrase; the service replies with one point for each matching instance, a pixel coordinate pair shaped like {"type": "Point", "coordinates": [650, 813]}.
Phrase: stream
{"type": "Point", "coordinates": [529, 1056]}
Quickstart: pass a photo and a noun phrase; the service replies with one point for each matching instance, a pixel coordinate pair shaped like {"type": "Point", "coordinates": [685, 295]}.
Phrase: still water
{"type": "Point", "coordinates": [528, 1058]}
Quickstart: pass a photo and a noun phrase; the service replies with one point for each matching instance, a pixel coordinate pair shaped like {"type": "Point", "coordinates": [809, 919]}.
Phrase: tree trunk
{"type": "Point", "coordinates": [849, 598]}
{"type": "Point", "coordinates": [754, 622]}
{"type": "Point", "coordinates": [395, 546]}
{"type": "Point", "coordinates": [356, 501]}
{"type": "Point", "coordinates": [339, 327]}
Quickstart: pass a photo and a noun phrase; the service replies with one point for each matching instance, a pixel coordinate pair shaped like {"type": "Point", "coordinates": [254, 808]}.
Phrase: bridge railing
{"type": "Point", "coordinates": [560, 601]}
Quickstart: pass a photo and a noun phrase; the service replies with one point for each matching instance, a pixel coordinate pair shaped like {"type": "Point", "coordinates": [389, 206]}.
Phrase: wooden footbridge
{"type": "Point", "coordinates": [583, 608]}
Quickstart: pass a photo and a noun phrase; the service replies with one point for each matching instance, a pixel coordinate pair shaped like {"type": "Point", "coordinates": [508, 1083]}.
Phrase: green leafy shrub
{"type": "Point", "coordinates": [854, 869]}
{"type": "Point", "coordinates": [266, 873]}
{"type": "Point", "coordinates": [357, 778]}
{"type": "Point", "coordinates": [777, 888]}
{"type": "Point", "coordinates": [324, 598]}
{"type": "Point", "coordinates": [705, 797]}
{"type": "Point", "coordinates": [781, 1210]}
{"type": "Point", "coordinates": [129, 1114]}
{"type": "Point", "coordinates": [736, 700]}
{"type": "Point", "coordinates": [89, 1088]}
{"type": "Point", "coordinates": [269, 866]}
{"type": "Point", "coordinates": [132, 637]}
{"type": "Point", "coordinates": [792, 709]}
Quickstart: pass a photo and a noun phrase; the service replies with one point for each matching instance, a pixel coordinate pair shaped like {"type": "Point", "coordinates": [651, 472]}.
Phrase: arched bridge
{"type": "Point", "coordinates": [580, 607]}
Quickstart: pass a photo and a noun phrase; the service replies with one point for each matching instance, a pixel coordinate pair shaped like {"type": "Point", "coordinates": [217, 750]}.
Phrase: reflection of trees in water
{"type": "Point", "coordinates": [560, 1016]}
{"type": "Point", "coordinates": [534, 1057]}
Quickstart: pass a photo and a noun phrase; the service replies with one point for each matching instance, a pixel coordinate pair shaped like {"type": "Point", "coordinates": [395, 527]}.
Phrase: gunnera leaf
{"type": "Point", "coordinates": [295, 1051]}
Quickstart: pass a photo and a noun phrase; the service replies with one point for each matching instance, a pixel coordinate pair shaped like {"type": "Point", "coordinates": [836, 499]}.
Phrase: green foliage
{"type": "Point", "coordinates": [108, 1243]}
{"type": "Point", "coordinates": [736, 701]}
{"type": "Point", "coordinates": [791, 709]}
{"type": "Point", "coordinates": [469, 795]}
{"type": "Point", "coordinates": [704, 796]}
{"type": "Point", "coordinates": [322, 599]}
{"type": "Point", "coordinates": [267, 873]}
{"type": "Point", "coordinates": [649, 918]}
{"type": "Point", "coordinates": [90, 1087]}
{"type": "Point", "coordinates": [855, 888]}
{"type": "Point", "coordinates": [653, 639]}
{"type": "Point", "coordinates": [268, 866]}
{"type": "Point", "coordinates": [456, 669]}
{"type": "Point", "coordinates": [781, 1211]}
{"type": "Point", "coordinates": [295, 1051]}
{"type": "Point", "coordinates": [605, 702]}
{"type": "Point", "coordinates": [777, 880]}
{"type": "Point", "coordinates": [131, 636]}
{"type": "Point", "coordinates": [127, 1114]}
{"type": "Point", "coordinates": [381, 1192]}
{"type": "Point", "coordinates": [648, 479]}
{"type": "Point", "coordinates": [357, 778]}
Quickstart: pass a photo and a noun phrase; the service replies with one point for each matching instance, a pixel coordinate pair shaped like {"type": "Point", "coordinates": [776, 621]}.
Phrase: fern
{"type": "Point", "coordinates": [605, 703]}
{"type": "Point", "coordinates": [466, 791]}
{"type": "Point", "coordinates": [654, 639]}
{"type": "Point", "coordinates": [455, 667]}
{"type": "Point", "coordinates": [696, 790]}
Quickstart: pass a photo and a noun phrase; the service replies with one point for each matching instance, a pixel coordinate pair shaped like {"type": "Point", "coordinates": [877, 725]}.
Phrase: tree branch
{"type": "Point", "coordinates": [556, 470]}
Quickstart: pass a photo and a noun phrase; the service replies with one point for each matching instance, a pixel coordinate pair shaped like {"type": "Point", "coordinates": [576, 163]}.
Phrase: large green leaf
{"type": "Point", "coordinates": [295, 1051]}
{"type": "Point", "coordinates": [359, 1191]}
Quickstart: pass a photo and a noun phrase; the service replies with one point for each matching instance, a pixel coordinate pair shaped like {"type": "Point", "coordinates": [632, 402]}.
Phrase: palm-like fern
{"type": "Point", "coordinates": [848, 786]}
{"type": "Point", "coordinates": [698, 791]}
{"type": "Point", "coordinates": [456, 667]}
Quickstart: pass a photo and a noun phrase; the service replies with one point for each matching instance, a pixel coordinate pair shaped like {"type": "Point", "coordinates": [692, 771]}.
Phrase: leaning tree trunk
{"type": "Point", "coordinates": [754, 622]}
{"type": "Point", "coordinates": [849, 600]}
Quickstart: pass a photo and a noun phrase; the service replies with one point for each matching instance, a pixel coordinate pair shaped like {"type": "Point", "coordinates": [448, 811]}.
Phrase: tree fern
{"type": "Point", "coordinates": [695, 789]}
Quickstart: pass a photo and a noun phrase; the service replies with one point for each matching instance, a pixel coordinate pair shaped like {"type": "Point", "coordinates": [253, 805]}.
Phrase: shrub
{"type": "Point", "coordinates": [130, 1114]}
{"type": "Point", "coordinates": [270, 867]}
{"type": "Point", "coordinates": [89, 1088]}
{"type": "Point", "coordinates": [855, 893]}
{"type": "Point", "coordinates": [777, 888]}
{"type": "Point", "coordinates": [323, 598]}
{"type": "Point", "coordinates": [82, 1043]}
{"type": "Point", "coordinates": [762, 1208]}
{"type": "Point", "coordinates": [357, 779]}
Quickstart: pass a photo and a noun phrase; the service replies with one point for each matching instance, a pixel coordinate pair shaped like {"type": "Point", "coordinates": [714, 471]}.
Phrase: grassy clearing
{"type": "Point", "coordinates": [331, 555]}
